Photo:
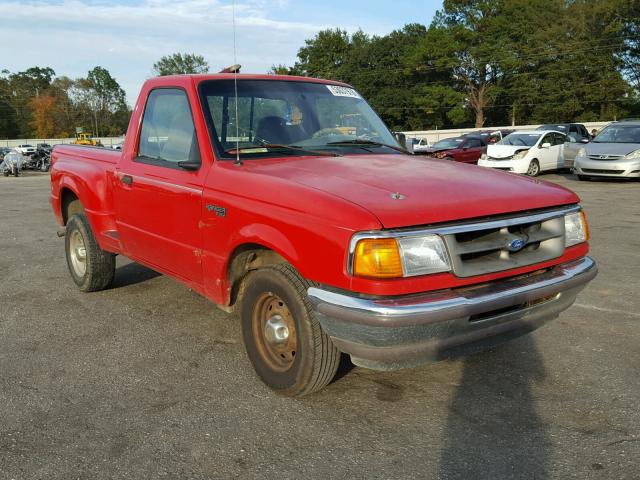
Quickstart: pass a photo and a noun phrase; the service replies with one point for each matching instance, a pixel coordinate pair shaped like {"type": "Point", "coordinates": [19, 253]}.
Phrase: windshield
{"type": "Point", "coordinates": [275, 114]}
{"type": "Point", "coordinates": [520, 139]}
{"type": "Point", "coordinates": [448, 143]}
{"type": "Point", "coordinates": [619, 134]}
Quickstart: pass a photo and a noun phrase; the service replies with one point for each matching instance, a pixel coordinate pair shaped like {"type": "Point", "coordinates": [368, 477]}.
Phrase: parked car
{"type": "Point", "coordinates": [614, 153]}
{"type": "Point", "coordinates": [491, 136]}
{"type": "Point", "coordinates": [421, 145]}
{"type": "Point", "coordinates": [25, 149]}
{"type": "Point", "coordinates": [577, 129]}
{"type": "Point", "coordinates": [577, 135]}
{"type": "Point", "coordinates": [528, 152]}
{"type": "Point", "coordinates": [323, 241]}
{"type": "Point", "coordinates": [465, 149]}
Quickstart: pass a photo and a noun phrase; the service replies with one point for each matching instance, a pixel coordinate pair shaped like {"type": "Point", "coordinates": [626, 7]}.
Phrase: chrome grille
{"type": "Point", "coordinates": [485, 250]}
{"type": "Point", "coordinates": [605, 157]}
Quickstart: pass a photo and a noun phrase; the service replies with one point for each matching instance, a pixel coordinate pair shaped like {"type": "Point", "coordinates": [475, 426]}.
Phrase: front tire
{"type": "Point", "coordinates": [534, 169]}
{"type": "Point", "coordinates": [91, 268]}
{"type": "Point", "coordinates": [284, 341]}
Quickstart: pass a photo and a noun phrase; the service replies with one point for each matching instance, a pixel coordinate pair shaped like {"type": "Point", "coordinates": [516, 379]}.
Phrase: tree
{"type": "Point", "coordinates": [43, 111]}
{"type": "Point", "coordinates": [179, 63]}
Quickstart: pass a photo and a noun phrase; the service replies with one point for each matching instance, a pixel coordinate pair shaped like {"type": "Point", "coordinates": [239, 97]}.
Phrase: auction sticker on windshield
{"type": "Point", "coordinates": [339, 91]}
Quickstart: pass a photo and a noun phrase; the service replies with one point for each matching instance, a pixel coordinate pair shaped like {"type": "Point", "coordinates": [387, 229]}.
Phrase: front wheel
{"type": "Point", "coordinates": [284, 341]}
{"type": "Point", "coordinates": [91, 268]}
{"type": "Point", "coordinates": [534, 169]}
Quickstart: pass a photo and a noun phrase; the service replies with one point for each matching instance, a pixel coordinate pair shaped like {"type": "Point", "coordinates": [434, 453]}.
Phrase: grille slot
{"type": "Point", "coordinates": [492, 250]}
{"type": "Point", "coordinates": [600, 170]}
{"type": "Point", "coordinates": [605, 157]}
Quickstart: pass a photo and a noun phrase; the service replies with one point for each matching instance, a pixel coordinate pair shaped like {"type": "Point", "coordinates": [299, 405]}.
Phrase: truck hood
{"type": "Point", "coordinates": [595, 148]}
{"type": "Point", "coordinates": [404, 191]}
{"type": "Point", "coordinates": [504, 151]}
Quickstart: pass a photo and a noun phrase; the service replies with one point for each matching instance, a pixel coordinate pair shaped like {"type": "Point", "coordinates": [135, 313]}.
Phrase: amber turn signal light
{"type": "Point", "coordinates": [377, 258]}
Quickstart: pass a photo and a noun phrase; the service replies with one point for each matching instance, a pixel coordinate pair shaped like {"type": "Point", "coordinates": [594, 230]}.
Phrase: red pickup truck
{"type": "Point", "coordinates": [288, 200]}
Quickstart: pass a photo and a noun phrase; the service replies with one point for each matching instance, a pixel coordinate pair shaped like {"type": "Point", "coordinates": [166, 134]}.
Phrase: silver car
{"type": "Point", "coordinates": [613, 153]}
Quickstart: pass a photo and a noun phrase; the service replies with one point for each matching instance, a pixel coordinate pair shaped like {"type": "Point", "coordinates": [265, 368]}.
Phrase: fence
{"type": "Point", "coordinates": [435, 135]}
{"type": "Point", "coordinates": [106, 141]}
{"type": "Point", "coordinates": [431, 135]}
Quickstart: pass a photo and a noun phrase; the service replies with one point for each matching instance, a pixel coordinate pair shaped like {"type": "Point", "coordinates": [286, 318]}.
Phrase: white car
{"type": "Point", "coordinates": [422, 145]}
{"type": "Point", "coordinates": [527, 152]}
{"type": "Point", "coordinates": [25, 149]}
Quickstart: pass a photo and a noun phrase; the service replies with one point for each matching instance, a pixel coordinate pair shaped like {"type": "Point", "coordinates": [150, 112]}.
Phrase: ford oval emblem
{"type": "Point", "coordinates": [516, 245]}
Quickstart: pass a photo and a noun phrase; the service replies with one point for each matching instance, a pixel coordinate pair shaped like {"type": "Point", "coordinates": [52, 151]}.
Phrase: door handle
{"type": "Point", "coordinates": [126, 179]}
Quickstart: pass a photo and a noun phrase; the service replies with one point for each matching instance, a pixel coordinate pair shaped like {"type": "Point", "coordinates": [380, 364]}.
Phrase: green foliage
{"type": "Point", "coordinates": [491, 62]}
{"type": "Point", "coordinates": [34, 103]}
{"type": "Point", "coordinates": [180, 63]}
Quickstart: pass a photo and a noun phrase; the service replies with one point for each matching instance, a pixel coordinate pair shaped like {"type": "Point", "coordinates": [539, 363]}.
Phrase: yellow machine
{"type": "Point", "coordinates": [85, 138]}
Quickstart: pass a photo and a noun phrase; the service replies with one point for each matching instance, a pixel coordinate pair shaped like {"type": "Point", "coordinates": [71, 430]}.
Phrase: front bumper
{"type": "Point", "coordinates": [607, 168]}
{"type": "Point", "coordinates": [516, 166]}
{"type": "Point", "coordinates": [401, 332]}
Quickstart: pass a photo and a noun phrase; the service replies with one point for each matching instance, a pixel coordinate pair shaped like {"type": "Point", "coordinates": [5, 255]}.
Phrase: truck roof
{"type": "Point", "coordinates": [197, 78]}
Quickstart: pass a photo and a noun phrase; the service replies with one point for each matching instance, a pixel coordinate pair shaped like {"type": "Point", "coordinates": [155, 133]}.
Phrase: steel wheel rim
{"type": "Point", "coordinates": [78, 253]}
{"type": "Point", "coordinates": [274, 331]}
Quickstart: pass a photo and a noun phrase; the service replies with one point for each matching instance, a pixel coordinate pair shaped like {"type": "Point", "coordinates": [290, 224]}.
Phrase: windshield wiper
{"type": "Point", "coordinates": [364, 142]}
{"type": "Point", "coordinates": [278, 146]}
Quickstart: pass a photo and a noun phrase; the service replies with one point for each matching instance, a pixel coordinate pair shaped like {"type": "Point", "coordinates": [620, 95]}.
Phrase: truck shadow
{"type": "Point", "coordinates": [131, 274]}
{"type": "Point", "coordinates": [492, 429]}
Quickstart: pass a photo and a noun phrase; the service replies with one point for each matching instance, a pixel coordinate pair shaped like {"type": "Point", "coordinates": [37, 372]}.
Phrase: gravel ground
{"type": "Point", "coordinates": [150, 380]}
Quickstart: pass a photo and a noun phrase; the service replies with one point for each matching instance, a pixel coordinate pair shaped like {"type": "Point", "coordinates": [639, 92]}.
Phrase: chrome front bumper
{"type": "Point", "coordinates": [400, 332]}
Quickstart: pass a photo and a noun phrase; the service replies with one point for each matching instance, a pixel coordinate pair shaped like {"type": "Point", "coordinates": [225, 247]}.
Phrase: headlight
{"type": "Point", "coordinates": [576, 229]}
{"type": "Point", "coordinates": [633, 155]}
{"type": "Point", "coordinates": [582, 152]}
{"type": "Point", "coordinates": [400, 257]}
{"type": "Point", "coordinates": [520, 154]}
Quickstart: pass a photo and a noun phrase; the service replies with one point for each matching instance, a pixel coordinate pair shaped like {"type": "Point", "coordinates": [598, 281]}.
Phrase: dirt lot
{"type": "Point", "coordinates": [149, 380]}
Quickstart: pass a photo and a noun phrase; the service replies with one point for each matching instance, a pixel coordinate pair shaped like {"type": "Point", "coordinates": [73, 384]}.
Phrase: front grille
{"type": "Point", "coordinates": [605, 157]}
{"type": "Point", "coordinates": [499, 159]}
{"type": "Point", "coordinates": [600, 170]}
{"type": "Point", "coordinates": [482, 251]}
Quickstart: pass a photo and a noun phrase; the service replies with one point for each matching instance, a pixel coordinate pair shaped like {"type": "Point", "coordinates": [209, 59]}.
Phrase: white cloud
{"type": "Point", "coordinates": [73, 36]}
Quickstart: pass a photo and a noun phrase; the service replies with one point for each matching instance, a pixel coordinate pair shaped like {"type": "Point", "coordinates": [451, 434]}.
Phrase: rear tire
{"type": "Point", "coordinates": [534, 169]}
{"type": "Point", "coordinates": [91, 268]}
{"type": "Point", "coordinates": [284, 341]}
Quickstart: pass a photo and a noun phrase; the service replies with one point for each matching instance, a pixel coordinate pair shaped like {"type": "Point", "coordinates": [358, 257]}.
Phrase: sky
{"type": "Point", "coordinates": [127, 37]}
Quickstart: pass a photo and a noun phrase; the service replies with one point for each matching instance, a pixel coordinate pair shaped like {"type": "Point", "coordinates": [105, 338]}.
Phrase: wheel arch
{"type": "Point", "coordinates": [245, 258]}
{"type": "Point", "coordinates": [70, 203]}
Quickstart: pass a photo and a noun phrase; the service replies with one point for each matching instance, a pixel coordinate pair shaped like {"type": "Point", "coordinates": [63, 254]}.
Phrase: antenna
{"type": "Point", "coordinates": [235, 86]}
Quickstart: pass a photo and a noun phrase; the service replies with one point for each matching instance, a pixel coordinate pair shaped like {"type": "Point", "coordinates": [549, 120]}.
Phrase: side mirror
{"type": "Point", "coordinates": [546, 145]}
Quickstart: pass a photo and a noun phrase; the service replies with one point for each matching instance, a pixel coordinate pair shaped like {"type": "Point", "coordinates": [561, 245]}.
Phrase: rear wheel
{"type": "Point", "coordinates": [91, 268]}
{"type": "Point", "coordinates": [284, 341]}
{"type": "Point", "coordinates": [534, 169]}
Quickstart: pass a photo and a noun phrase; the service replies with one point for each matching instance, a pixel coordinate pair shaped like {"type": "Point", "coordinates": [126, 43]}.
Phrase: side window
{"type": "Point", "coordinates": [546, 139]}
{"type": "Point", "coordinates": [560, 139]}
{"type": "Point", "coordinates": [167, 135]}
{"type": "Point", "coordinates": [473, 143]}
{"type": "Point", "coordinates": [573, 129]}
